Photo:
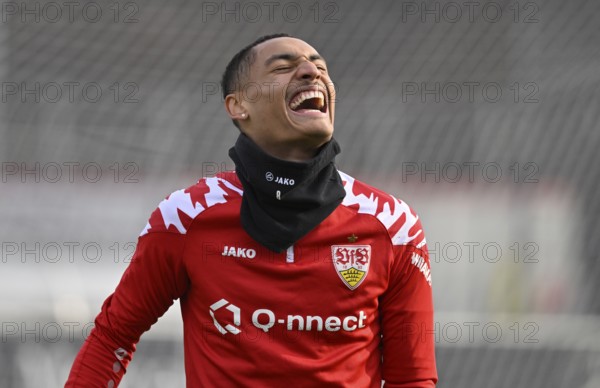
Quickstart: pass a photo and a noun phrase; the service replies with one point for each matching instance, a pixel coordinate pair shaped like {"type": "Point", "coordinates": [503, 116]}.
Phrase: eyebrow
{"type": "Point", "coordinates": [291, 58]}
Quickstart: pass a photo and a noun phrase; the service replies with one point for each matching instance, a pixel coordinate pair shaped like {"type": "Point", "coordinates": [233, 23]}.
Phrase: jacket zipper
{"type": "Point", "coordinates": [289, 255]}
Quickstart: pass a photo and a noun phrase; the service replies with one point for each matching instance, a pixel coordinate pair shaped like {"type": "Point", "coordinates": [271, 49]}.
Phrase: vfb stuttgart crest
{"type": "Point", "coordinates": [351, 263]}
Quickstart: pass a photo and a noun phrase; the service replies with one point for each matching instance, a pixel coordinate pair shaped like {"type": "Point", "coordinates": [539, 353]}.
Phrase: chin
{"type": "Point", "coordinates": [320, 132]}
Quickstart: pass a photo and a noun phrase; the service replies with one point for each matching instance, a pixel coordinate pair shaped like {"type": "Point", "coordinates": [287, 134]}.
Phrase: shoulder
{"type": "Point", "coordinates": [177, 211]}
{"type": "Point", "coordinates": [402, 223]}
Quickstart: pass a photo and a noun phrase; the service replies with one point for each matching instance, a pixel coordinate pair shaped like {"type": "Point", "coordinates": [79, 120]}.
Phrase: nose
{"type": "Point", "coordinates": [308, 71]}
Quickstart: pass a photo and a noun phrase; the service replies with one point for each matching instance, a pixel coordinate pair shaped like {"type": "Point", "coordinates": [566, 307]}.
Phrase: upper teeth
{"type": "Point", "coordinates": [308, 94]}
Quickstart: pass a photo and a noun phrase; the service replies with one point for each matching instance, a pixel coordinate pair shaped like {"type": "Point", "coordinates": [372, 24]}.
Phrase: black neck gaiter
{"type": "Point", "coordinates": [284, 200]}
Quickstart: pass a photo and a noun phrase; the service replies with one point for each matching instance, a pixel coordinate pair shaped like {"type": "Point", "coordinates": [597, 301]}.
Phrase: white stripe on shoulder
{"type": "Point", "coordinates": [385, 207]}
{"type": "Point", "coordinates": [206, 193]}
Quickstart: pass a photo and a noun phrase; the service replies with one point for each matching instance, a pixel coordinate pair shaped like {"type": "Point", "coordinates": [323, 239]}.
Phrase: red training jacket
{"type": "Point", "coordinates": [350, 304]}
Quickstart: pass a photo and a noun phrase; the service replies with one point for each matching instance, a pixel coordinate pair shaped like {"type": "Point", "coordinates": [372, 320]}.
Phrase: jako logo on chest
{"type": "Point", "coordinates": [246, 253]}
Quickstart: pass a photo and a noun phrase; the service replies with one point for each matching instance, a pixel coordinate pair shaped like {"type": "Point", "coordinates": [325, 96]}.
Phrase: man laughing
{"type": "Point", "coordinates": [289, 272]}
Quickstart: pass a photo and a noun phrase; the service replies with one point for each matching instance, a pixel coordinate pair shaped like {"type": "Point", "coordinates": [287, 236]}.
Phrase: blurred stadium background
{"type": "Point", "coordinates": [483, 116]}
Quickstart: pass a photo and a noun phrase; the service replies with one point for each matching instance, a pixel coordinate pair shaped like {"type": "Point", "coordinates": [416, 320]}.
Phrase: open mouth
{"type": "Point", "coordinates": [309, 101]}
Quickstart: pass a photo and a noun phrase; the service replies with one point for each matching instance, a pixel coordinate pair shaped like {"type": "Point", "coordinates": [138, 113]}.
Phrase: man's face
{"type": "Point", "coordinates": [288, 96]}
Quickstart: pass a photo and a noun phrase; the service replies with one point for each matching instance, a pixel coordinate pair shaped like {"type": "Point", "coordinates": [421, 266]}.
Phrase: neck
{"type": "Point", "coordinates": [293, 151]}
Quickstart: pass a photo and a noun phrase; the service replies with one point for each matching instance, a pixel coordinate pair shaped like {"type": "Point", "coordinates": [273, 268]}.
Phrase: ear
{"type": "Point", "coordinates": [234, 107]}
